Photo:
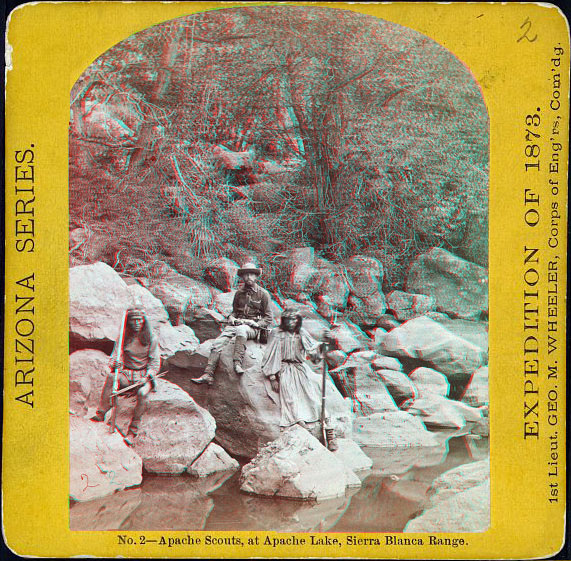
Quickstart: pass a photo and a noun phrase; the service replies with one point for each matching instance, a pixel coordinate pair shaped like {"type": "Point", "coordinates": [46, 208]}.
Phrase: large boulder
{"type": "Point", "coordinates": [367, 310]}
{"type": "Point", "coordinates": [98, 298]}
{"type": "Point", "coordinates": [223, 302]}
{"type": "Point", "coordinates": [441, 412]}
{"type": "Point", "coordinates": [331, 284]}
{"type": "Point", "coordinates": [407, 306]}
{"type": "Point", "coordinates": [307, 310]}
{"type": "Point", "coordinates": [88, 370]}
{"type": "Point", "coordinates": [100, 462]}
{"type": "Point", "coordinates": [363, 385]}
{"type": "Point", "coordinates": [177, 340]}
{"type": "Point", "coordinates": [457, 501]}
{"type": "Point", "coordinates": [381, 362]}
{"type": "Point", "coordinates": [174, 430]}
{"type": "Point", "coordinates": [392, 429]}
{"type": "Point", "coordinates": [399, 385]}
{"type": "Point", "coordinates": [297, 466]}
{"type": "Point", "coordinates": [459, 287]}
{"type": "Point", "coordinates": [424, 339]}
{"type": "Point", "coordinates": [335, 358]}
{"type": "Point", "coordinates": [178, 293]}
{"type": "Point", "coordinates": [377, 335]}
{"type": "Point", "coordinates": [154, 309]}
{"type": "Point", "coordinates": [348, 338]}
{"type": "Point", "coordinates": [437, 411]}
{"type": "Point", "coordinates": [212, 460]}
{"type": "Point", "coordinates": [205, 322]}
{"type": "Point", "coordinates": [222, 273]}
{"type": "Point", "coordinates": [477, 391]}
{"type": "Point", "coordinates": [296, 272]}
{"type": "Point", "coordinates": [245, 407]}
{"type": "Point", "coordinates": [474, 331]}
{"type": "Point", "coordinates": [388, 322]}
{"type": "Point", "coordinates": [189, 361]}
{"type": "Point", "coordinates": [365, 275]}
{"type": "Point", "coordinates": [350, 453]}
{"type": "Point", "coordinates": [428, 380]}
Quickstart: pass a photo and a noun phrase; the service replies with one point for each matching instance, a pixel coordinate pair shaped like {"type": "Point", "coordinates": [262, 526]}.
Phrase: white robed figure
{"type": "Point", "coordinates": [299, 387]}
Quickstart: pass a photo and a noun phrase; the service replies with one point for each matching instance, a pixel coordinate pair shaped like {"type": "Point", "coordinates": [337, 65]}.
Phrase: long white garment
{"type": "Point", "coordinates": [300, 387]}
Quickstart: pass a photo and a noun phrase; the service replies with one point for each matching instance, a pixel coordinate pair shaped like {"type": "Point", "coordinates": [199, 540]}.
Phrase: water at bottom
{"type": "Point", "coordinates": [390, 495]}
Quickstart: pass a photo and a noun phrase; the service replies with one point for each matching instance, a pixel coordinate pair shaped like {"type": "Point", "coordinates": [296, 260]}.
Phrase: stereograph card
{"type": "Point", "coordinates": [285, 280]}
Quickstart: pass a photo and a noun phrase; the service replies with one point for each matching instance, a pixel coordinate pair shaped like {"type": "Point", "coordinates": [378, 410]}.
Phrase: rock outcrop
{"type": "Point", "coordinates": [363, 385]}
{"type": "Point", "coordinates": [366, 302]}
{"type": "Point", "coordinates": [212, 460]}
{"type": "Point", "coordinates": [174, 430]}
{"type": "Point", "coordinates": [204, 322]}
{"type": "Point", "coordinates": [350, 453]}
{"type": "Point", "coordinates": [88, 370]}
{"type": "Point", "coordinates": [441, 412]}
{"type": "Point", "coordinates": [381, 362]}
{"type": "Point", "coordinates": [176, 340]}
{"type": "Point", "coordinates": [347, 337]}
{"type": "Point", "coordinates": [98, 298]}
{"type": "Point", "coordinates": [100, 462]}
{"type": "Point", "coordinates": [457, 501]}
{"type": "Point", "coordinates": [407, 306]}
{"type": "Point", "coordinates": [332, 286]}
{"type": "Point", "coordinates": [477, 390]}
{"type": "Point", "coordinates": [179, 293]}
{"type": "Point", "coordinates": [399, 385]}
{"type": "Point", "coordinates": [424, 339]}
{"type": "Point", "coordinates": [245, 407]}
{"type": "Point", "coordinates": [222, 273]}
{"type": "Point", "coordinates": [297, 466]}
{"type": "Point", "coordinates": [459, 287]}
{"type": "Point", "coordinates": [428, 380]}
{"type": "Point", "coordinates": [392, 429]}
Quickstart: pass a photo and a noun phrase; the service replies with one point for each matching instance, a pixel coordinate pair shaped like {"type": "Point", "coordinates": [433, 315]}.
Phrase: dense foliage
{"type": "Point", "coordinates": [245, 132]}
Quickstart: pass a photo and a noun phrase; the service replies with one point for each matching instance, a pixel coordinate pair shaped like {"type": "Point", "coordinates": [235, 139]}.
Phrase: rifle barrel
{"type": "Point", "coordinates": [137, 384]}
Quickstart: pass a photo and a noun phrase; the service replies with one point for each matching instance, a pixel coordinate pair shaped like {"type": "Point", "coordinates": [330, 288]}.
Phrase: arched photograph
{"type": "Point", "coordinates": [279, 279]}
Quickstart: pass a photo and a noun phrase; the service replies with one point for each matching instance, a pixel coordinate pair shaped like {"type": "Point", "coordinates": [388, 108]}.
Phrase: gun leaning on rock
{"type": "Point", "coordinates": [116, 375]}
{"type": "Point", "coordinates": [323, 381]}
{"type": "Point", "coordinates": [138, 384]}
{"type": "Point", "coordinates": [324, 346]}
{"type": "Point", "coordinates": [243, 322]}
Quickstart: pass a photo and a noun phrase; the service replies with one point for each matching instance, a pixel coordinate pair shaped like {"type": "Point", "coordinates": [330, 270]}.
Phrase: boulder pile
{"type": "Point", "coordinates": [400, 366]}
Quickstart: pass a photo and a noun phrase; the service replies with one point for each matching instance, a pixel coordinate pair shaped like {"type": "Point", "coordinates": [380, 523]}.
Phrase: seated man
{"type": "Point", "coordinates": [251, 314]}
{"type": "Point", "coordinates": [139, 359]}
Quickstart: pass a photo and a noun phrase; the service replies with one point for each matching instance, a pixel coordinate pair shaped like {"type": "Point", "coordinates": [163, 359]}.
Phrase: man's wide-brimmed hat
{"type": "Point", "coordinates": [249, 268]}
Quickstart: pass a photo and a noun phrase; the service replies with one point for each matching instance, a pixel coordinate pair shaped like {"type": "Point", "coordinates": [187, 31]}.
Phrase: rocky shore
{"type": "Point", "coordinates": [404, 366]}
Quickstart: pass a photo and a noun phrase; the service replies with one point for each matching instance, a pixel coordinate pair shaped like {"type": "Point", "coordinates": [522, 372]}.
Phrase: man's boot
{"type": "Point", "coordinates": [131, 435]}
{"type": "Point", "coordinates": [208, 376]}
{"type": "Point", "coordinates": [239, 351]}
{"type": "Point", "coordinates": [331, 440]}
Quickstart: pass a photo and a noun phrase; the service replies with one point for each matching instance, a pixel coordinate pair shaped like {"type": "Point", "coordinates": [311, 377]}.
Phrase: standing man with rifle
{"type": "Point", "coordinates": [135, 361]}
{"type": "Point", "coordinates": [251, 316]}
{"type": "Point", "coordinates": [302, 392]}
